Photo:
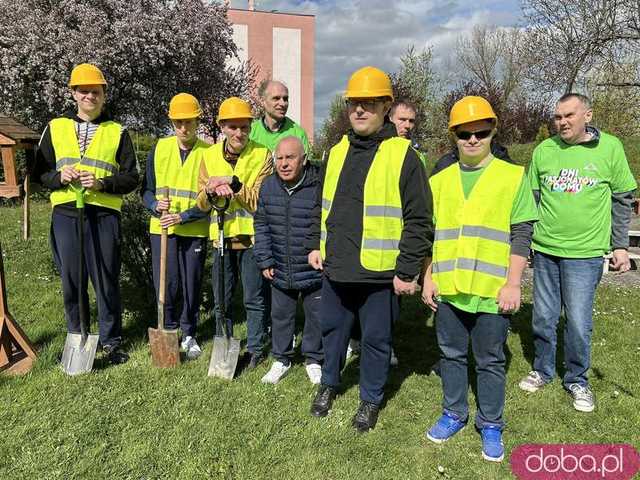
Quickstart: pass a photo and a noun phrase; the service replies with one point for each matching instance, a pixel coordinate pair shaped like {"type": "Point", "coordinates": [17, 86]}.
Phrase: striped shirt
{"type": "Point", "coordinates": [85, 132]}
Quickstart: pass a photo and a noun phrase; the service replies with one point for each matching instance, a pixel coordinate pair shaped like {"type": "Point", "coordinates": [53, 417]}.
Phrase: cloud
{"type": "Point", "coordinates": [354, 33]}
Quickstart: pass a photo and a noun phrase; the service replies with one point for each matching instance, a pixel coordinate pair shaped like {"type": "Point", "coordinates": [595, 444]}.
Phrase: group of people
{"type": "Point", "coordinates": [350, 237]}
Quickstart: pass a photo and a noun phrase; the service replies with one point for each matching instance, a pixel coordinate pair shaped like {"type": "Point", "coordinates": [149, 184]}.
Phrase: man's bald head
{"type": "Point", "coordinates": [290, 160]}
{"type": "Point", "coordinates": [274, 96]}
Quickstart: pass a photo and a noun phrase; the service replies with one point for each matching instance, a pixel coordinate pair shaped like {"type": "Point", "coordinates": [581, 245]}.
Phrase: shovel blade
{"type": "Point", "coordinates": [78, 359]}
{"type": "Point", "coordinates": [224, 357]}
{"type": "Point", "coordinates": [165, 351]}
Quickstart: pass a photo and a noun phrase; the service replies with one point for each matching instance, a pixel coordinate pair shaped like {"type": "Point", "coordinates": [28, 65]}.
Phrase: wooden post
{"type": "Point", "coordinates": [17, 354]}
{"type": "Point", "coordinates": [26, 218]}
{"type": "Point", "coordinates": [9, 188]}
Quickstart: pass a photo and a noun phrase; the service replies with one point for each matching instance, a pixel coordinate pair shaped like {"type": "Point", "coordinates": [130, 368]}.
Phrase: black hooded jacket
{"type": "Point", "coordinates": [123, 182]}
{"type": "Point", "coordinates": [344, 224]}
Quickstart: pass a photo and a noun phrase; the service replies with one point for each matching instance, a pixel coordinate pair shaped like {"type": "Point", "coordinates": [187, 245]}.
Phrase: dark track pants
{"type": "Point", "coordinates": [185, 266]}
{"type": "Point", "coordinates": [102, 266]}
{"type": "Point", "coordinates": [283, 322]}
{"type": "Point", "coordinates": [377, 308]}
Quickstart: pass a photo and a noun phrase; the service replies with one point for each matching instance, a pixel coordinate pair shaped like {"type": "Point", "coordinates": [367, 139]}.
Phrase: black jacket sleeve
{"type": "Point", "coordinates": [417, 211]}
{"type": "Point", "coordinates": [125, 181]}
{"type": "Point", "coordinates": [312, 241]}
{"type": "Point", "coordinates": [44, 170]}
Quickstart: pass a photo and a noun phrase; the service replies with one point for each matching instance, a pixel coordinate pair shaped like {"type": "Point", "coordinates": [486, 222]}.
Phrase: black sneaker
{"type": "Point", "coordinates": [115, 354]}
{"type": "Point", "coordinates": [321, 404]}
{"type": "Point", "coordinates": [255, 360]}
{"type": "Point", "coordinates": [366, 417]}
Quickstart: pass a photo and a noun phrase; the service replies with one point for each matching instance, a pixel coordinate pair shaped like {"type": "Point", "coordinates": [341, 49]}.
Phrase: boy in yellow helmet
{"type": "Point", "coordinates": [169, 192]}
{"type": "Point", "coordinates": [87, 149]}
{"type": "Point", "coordinates": [483, 213]}
{"type": "Point", "coordinates": [235, 170]}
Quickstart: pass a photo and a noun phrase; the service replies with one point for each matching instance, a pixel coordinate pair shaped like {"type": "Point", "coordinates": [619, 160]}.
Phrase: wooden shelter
{"type": "Point", "coordinates": [14, 136]}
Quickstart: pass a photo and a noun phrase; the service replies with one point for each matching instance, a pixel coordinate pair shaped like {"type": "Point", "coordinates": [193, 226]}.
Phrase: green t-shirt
{"type": "Point", "coordinates": [524, 210]}
{"type": "Point", "coordinates": [576, 183]}
{"type": "Point", "coordinates": [262, 135]}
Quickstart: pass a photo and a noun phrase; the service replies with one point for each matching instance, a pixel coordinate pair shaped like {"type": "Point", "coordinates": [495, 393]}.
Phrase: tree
{"type": "Point", "coordinates": [565, 40]}
{"type": "Point", "coordinates": [490, 57]}
{"type": "Point", "coordinates": [333, 128]}
{"type": "Point", "coordinates": [149, 50]}
{"type": "Point", "coordinates": [417, 82]}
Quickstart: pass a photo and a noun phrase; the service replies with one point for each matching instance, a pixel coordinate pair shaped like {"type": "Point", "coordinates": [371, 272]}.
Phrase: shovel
{"type": "Point", "coordinates": [165, 350]}
{"type": "Point", "coordinates": [80, 349]}
{"type": "Point", "coordinates": [226, 349]}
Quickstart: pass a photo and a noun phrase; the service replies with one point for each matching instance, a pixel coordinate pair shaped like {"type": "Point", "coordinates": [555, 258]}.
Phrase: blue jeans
{"type": "Point", "coordinates": [569, 284]}
{"type": "Point", "coordinates": [242, 263]}
{"type": "Point", "coordinates": [488, 334]}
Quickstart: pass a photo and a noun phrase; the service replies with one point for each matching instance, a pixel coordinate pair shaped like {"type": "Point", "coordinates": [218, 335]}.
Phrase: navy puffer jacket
{"type": "Point", "coordinates": [281, 223]}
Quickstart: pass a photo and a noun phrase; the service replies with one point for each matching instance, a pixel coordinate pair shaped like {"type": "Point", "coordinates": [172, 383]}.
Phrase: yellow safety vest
{"type": "Point", "coordinates": [179, 181]}
{"type": "Point", "coordinates": [472, 238]}
{"type": "Point", "coordinates": [99, 159]}
{"type": "Point", "coordinates": [237, 219]}
{"type": "Point", "coordinates": [382, 221]}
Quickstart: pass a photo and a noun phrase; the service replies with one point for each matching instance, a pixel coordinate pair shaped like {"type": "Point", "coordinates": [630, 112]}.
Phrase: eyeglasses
{"type": "Point", "coordinates": [480, 134]}
{"type": "Point", "coordinates": [366, 103]}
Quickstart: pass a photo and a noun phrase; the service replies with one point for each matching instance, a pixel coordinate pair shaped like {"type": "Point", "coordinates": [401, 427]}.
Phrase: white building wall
{"type": "Point", "coordinates": [287, 65]}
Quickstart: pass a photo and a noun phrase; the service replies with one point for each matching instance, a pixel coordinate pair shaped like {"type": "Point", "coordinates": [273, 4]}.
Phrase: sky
{"type": "Point", "coordinates": [354, 33]}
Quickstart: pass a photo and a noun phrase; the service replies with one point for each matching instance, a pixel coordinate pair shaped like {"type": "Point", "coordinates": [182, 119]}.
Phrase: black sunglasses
{"type": "Point", "coordinates": [481, 134]}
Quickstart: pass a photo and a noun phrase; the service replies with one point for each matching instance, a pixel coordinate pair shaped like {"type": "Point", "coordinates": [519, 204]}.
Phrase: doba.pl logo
{"type": "Point", "coordinates": [576, 462]}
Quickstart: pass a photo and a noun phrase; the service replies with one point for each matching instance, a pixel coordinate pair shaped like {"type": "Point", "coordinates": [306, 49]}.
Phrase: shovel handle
{"type": "Point", "coordinates": [221, 209]}
{"type": "Point", "coordinates": [82, 304]}
{"type": "Point", "coordinates": [162, 287]}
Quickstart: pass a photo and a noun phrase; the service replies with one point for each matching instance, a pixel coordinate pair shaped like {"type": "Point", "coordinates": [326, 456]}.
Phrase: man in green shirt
{"type": "Point", "coordinates": [274, 124]}
{"type": "Point", "coordinates": [484, 212]}
{"type": "Point", "coordinates": [585, 190]}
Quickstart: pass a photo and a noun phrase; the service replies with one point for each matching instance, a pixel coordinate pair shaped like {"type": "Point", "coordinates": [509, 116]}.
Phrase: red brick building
{"type": "Point", "coordinates": [282, 45]}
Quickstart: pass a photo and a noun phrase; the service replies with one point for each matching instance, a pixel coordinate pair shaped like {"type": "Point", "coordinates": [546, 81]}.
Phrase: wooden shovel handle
{"type": "Point", "coordinates": [163, 263]}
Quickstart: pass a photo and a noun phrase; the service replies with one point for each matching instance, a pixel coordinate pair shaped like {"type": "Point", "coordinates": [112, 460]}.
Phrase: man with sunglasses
{"type": "Point", "coordinates": [371, 231]}
{"type": "Point", "coordinates": [483, 212]}
{"type": "Point", "coordinates": [585, 187]}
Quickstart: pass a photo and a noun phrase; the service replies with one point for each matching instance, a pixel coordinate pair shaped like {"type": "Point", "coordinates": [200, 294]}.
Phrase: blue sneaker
{"type": "Point", "coordinates": [492, 447]}
{"type": "Point", "coordinates": [446, 427]}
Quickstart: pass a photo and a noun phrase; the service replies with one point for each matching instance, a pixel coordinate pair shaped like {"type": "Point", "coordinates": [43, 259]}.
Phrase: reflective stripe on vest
{"type": "Point", "coordinates": [237, 219]}
{"type": "Point", "coordinates": [382, 221]}
{"type": "Point", "coordinates": [472, 239]}
{"type": "Point", "coordinates": [99, 159]}
{"type": "Point", "coordinates": [179, 182]}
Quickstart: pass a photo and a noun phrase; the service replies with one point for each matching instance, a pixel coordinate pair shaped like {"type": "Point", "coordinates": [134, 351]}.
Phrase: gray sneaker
{"type": "Point", "coordinates": [532, 382]}
{"type": "Point", "coordinates": [583, 400]}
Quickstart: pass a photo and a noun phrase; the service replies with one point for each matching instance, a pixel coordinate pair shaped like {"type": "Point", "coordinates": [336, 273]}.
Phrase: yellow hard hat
{"type": "Point", "coordinates": [369, 82]}
{"type": "Point", "coordinates": [184, 106]}
{"type": "Point", "coordinates": [86, 74]}
{"type": "Point", "coordinates": [470, 109]}
{"type": "Point", "coordinates": [233, 108]}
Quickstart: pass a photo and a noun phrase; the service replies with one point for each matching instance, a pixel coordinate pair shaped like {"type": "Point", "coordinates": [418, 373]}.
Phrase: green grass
{"type": "Point", "coordinates": [135, 421]}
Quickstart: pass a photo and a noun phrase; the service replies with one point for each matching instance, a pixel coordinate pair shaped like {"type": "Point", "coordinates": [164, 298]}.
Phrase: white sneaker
{"type": "Point", "coordinates": [314, 372]}
{"type": "Point", "coordinates": [191, 348]}
{"type": "Point", "coordinates": [353, 348]}
{"type": "Point", "coordinates": [394, 359]}
{"type": "Point", "coordinates": [583, 400]}
{"type": "Point", "coordinates": [276, 372]}
{"type": "Point", "coordinates": [532, 382]}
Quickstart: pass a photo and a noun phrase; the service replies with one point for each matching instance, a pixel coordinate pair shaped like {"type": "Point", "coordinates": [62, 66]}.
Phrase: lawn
{"type": "Point", "coordinates": [135, 421]}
